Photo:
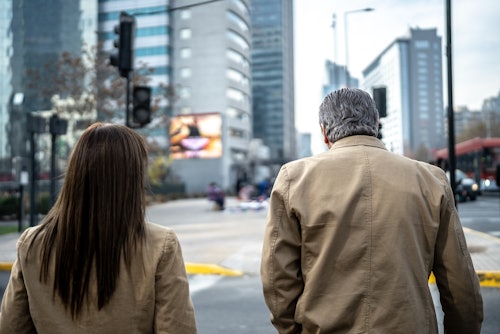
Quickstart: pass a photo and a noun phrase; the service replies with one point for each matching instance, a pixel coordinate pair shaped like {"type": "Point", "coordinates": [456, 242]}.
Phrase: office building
{"type": "Point", "coordinates": [34, 35]}
{"type": "Point", "coordinates": [465, 119]}
{"type": "Point", "coordinates": [5, 74]}
{"type": "Point", "coordinates": [336, 77]}
{"type": "Point", "coordinates": [211, 57]}
{"type": "Point", "coordinates": [202, 50]}
{"type": "Point", "coordinates": [152, 45]}
{"type": "Point", "coordinates": [273, 77]}
{"type": "Point", "coordinates": [491, 115]}
{"type": "Point", "coordinates": [411, 70]}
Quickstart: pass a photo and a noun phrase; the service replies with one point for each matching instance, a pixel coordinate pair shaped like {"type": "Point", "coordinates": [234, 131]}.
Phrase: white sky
{"type": "Point", "coordinates": [475, 43]}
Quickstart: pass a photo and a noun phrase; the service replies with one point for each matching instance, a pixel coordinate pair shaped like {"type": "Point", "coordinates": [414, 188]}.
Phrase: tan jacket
{"type": "Point", "coordinates": [153, 297]}
{"type": "Point", "coordinates": [352, 237]}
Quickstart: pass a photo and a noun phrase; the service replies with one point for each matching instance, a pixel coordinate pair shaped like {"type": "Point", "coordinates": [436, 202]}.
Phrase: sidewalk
{"type": "Point", "coordinates": [484, 249]}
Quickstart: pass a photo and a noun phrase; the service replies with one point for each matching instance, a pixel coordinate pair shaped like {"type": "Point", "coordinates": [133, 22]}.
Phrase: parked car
{"type": "Point", "coordinates": [465, 187]}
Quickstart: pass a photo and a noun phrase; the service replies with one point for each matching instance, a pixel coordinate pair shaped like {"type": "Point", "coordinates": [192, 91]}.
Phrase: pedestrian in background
{"type": "Point", "coordinates": [216, 195]}
{"type": "Point", "coordinates": [94, 265]}
{"type": "Point", "coordinates": [354, 233]}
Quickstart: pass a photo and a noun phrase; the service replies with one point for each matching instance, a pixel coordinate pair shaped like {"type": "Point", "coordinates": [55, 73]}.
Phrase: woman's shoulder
{"type": "Point", "coordinates": [152, 228]}
{"type": "Point", "coordinates": [26, 238]}
{"type": "Point", "coordinates": [161, 236]}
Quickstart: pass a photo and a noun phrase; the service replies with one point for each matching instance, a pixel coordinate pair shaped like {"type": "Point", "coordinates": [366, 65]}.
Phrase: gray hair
{"type": "Point", "coordinates": [347, 112]}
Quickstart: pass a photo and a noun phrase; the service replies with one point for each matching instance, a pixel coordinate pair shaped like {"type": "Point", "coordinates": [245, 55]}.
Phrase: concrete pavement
{"type": "Point", "coordinates": [485, 249]}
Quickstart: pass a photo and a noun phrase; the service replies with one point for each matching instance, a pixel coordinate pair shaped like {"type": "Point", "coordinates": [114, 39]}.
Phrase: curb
{"type": "Point", "coordinates": [489, 279]}
{"type": "Point", "coordinates": [486, 278]}
{"type": "Point", "coordinates": [210, 269]}
{"type": "Point", "coordinates": [191, 269]}
{"type": "Point", "coordinates": [6, 266]}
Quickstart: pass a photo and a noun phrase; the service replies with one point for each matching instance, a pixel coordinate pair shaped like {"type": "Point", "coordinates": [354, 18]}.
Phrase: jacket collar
{"type": "Point", "coordinates": [357, 140]}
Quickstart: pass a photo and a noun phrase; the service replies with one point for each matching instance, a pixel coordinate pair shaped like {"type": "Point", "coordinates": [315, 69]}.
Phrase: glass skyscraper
{"type": "Point", "coordinates": [34, 34]}
{"type": "Point", "coordinates": [273, 77]}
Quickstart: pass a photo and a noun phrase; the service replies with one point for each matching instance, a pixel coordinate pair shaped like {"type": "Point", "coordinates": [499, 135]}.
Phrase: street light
{"type": "Point", "coordinates": [347, 78]}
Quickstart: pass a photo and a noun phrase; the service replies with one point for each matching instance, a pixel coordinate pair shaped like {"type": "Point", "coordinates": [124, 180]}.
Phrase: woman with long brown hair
{"type": "Point", "coordinates": [94, 265]}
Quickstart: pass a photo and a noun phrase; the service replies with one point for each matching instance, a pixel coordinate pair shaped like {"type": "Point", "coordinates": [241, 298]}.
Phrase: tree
{"type": "Point", "coordinates": [87, 88]}
{"type": "Point", "coordinates": [91, 80]}
{"type": "Point", "coordinates": [476, 129]}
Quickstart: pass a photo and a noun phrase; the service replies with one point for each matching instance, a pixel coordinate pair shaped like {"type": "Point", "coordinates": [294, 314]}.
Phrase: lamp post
{"type": "Point", "coordinates": [347, 77]}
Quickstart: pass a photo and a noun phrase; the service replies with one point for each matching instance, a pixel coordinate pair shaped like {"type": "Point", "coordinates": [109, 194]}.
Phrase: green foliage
{"type": "Point", "coordinates": [9, 205]}
{"type": "Point", "coordinates": [158, 170]}
{"type": "Point", "coordinates": [43, 203]}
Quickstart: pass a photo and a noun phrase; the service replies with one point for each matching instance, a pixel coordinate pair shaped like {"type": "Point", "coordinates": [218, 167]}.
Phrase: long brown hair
{"type": "Point", "coordinates": [99, 215]}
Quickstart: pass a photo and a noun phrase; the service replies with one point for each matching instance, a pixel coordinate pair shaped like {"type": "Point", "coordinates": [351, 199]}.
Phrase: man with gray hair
{"type": "Point", "coordinates": [354, 233]}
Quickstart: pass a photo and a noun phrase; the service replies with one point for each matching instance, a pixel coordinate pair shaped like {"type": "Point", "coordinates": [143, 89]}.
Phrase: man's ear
{"type": "Point", "coordinates": [325, 137]}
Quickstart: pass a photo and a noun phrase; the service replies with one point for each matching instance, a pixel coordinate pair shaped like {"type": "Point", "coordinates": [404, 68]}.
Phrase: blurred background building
{"type": "Point", "coordinates": [6, 14]}
{"type": "Point", "coordinates": [337, 77]}
{"type": "Point", "coordinates": [34, 35]}
{"type": "Point", "coordinates": [411, 70]}
{"type": "Point", "coordinates": [222, 72]}
{"type": "Point", "coordinates": [212, 78]}
{"type": "Point", "coordinates": [273, 77]}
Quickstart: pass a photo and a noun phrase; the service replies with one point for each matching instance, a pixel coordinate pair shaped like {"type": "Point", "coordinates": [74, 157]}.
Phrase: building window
{"type": "Point", "coordinates": [185, 72]}
{"type": "Point", "coordinates": [238, 133]}
{"type": "Point", "coordinates": [422, 44]}
{"type": "Point", "coordinates": [238, 39]}
{"type": "Point", "coordinates": [236, 19]}
{"type": "Point", "coordinates": [237, 77]}
{"type": "Point", "coordinates": [238, 114]}
{"type": "Point", "coordinates": [185, 53]}
{"type": "Point", "coordinates": [237, 58]}
{"type": "Point", "coordinates": [185, 93]}
{"type": "Point", "coordinates": [185, 14]}
{"type": "Point", "coordinates": [241, 6]}
{"type": "Point", "coordinates": [185, 33]}
{"type": "Point", "coordinates": [235, 94]}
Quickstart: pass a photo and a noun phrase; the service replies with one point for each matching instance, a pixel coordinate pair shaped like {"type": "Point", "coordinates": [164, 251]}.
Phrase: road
{"type": "Point", "coordinates": [482, 215]}
{"type": "Point", "coordinates": [234, 238]}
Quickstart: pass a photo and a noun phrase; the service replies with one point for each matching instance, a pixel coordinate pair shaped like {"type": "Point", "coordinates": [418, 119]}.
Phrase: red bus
{"type": "Point", "coordinates": [476, 157]}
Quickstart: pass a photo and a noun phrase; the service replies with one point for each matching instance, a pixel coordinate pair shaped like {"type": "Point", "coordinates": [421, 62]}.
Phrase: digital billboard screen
{"type": "Point", "coordinates": [196, 136]}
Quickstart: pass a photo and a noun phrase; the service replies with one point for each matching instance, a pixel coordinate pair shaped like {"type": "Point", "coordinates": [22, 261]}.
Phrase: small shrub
{"type": "Point", "coordinates": [43, 203]}
{"type": "Point", "coordinates": [9, 205]}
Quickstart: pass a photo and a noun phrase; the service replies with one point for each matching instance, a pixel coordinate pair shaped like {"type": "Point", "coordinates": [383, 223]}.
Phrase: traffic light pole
{"type": "Point", "coordinates": [451, 120]}
{"type": "Point", "coordinates": [127, 101]}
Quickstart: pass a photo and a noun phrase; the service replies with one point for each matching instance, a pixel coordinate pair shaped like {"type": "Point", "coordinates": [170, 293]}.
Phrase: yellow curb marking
{"type": "Point", "coordinates": [211, 269]}
{"type": "Point", "coordinates": [6, 266]}
{"type": "Point", "coordinates": [191, 268]}
{"type": "Point", "coordinates": [486, 278]}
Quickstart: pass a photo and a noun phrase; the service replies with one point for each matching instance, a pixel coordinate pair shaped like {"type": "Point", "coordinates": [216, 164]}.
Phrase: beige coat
{"type": "Point", "coordinates": [352, 237]}
{"type": "Point", "coordinates": [153, 297]}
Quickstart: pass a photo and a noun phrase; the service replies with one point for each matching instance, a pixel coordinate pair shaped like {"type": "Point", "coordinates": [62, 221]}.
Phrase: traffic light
{"type": "Point", "coordinates": [141, 100]}
{"type": "Point", "coordinates": [379, 96]}
{"type": "Point", "coordinates": [124, 58]}
{"type": "Point", "coordinates": [379, 134]}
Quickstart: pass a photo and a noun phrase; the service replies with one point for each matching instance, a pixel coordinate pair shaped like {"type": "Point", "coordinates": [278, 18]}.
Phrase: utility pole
{"type": "Point", "coordinates": [451, 119]}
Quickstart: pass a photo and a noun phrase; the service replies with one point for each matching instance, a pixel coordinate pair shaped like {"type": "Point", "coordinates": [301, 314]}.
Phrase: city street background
{"type": "Point", "coordinates": [233, 239]}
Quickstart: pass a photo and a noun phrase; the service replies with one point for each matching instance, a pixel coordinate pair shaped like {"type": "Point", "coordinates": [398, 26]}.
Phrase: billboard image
{"type": "Point", "coordinates": [196, 136]}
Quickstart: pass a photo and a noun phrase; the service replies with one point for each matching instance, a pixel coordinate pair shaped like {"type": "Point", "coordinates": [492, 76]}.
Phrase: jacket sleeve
{"type": "Point", "coordinates": [280, 267]}
{"type": "Point", "coordinates": [174, 311]}
{"type": "Point", "coordinates": [15, 314]}
{"type": "Point", "coordinates": [457, 281]}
